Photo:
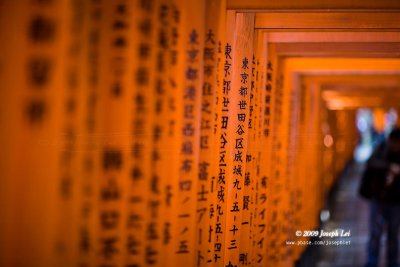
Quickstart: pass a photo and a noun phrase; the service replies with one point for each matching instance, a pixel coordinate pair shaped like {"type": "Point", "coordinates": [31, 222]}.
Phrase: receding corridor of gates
{"type": "Point", "coordinates": [187, 133]}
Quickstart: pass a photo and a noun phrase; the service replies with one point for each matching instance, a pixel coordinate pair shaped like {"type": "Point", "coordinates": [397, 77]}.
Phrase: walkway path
{"type": "Point", "coordinates": [349, 212]}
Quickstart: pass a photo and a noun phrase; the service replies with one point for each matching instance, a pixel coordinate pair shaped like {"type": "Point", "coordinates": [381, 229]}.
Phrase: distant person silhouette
{"type": "Point", "coordinates": [381, 185]}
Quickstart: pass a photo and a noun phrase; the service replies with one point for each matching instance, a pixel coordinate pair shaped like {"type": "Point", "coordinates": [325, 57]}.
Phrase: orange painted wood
{"type": "Point", "coordinates": [312, 4]}
{"type": "Point", "coordinates": [345, 49]}
{"type": "Point", "coordinates": [281, 36]}
{"type": "Point", "coordinates": [32, 77]}
{"type": "Point", "coordinates": [328, 20]}
{"type": "Point", "coordinates": [237, 134]}
{"type": "Point", "coordinates": [209, 132]}
{"type": "Point", "coordinates": [193, 36]}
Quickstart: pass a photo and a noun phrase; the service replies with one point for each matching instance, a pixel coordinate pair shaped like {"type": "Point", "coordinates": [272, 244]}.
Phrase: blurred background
{"type": "Point", "coordinates": [191, 133]}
